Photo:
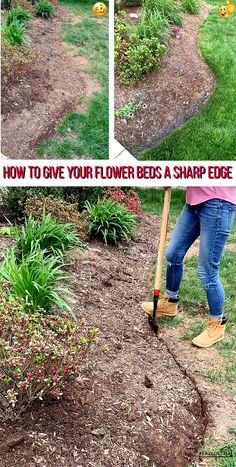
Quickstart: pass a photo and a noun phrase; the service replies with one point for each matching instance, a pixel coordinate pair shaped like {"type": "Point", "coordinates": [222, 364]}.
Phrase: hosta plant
{"type": "Point", "coordinates": [45, 9]}
{"type": "Point", "coordinates": [39, 354]}
{"type": "Point", "coordinates": [110, 221]}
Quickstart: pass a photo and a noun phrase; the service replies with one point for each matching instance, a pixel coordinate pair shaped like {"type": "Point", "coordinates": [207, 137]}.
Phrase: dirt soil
{"type": "Point", "coordinates": [134, 404]}
{"type": "Point", "coordinates": [33, 106]}
{"type": "Point", "coordinates": [169, 100]}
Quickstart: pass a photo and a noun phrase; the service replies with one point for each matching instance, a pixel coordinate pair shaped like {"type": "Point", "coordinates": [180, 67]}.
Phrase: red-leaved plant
{"type": "Point", "coordinates": [129, 199]}
{"type": "Point", "coordinates": [38, 354]}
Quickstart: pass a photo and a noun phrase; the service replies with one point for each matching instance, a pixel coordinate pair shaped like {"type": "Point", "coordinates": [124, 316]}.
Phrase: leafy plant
{"type": "Point", "coordinates": [169, 9]}
{"type": "Point", "coordinates": [60, 210]}
{"type": "Point", "coordinates": [110, 221]}
{"type": "Point", "coordinates": [14, 33]}
{"type": "Point", "coordinates": [13, 200]}
{"type": "Point", "coordinates": [16, 61]}
{"type": "Point", "coordinates": [191, 6]}
{"type": "Point", "coordinates": [36, 279]}
{"type": "Point", "coordinates": [38, 355]}
{"type": "Point", "coordinates": [128, 110]}
{"type": "Point", "coordinates": [134, 55]}
{"type": "Point", "coordinates": [154, 23]}
{"type": "Point", "coordinates": [45, 9]}
{"type": "Point", "coordinates": [127, 198]}
{"type": "Point", "coordinates": [48, 234]}
{"type": "Point", "coordinates": [18, 14]}
{"type": "Point", "coordinates": [6, 4]}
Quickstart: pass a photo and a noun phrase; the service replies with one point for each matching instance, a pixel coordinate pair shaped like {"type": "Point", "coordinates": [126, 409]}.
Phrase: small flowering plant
{"type": "Point", "coordinates": [129, 199]}
{"type": "Point", "coordinates": [38, 354]}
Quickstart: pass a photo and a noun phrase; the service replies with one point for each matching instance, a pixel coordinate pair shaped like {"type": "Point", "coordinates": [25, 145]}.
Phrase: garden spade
{"type": "Point", "coordinates": [157, 285]}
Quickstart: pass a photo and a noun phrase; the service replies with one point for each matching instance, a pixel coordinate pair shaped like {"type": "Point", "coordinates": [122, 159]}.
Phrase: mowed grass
{"type": "Point", "coordinates": [192, 294]}
{"type": "Point", "coordinates": [85, 134]}
{"type": "Point", "coordinates": [211, 135]}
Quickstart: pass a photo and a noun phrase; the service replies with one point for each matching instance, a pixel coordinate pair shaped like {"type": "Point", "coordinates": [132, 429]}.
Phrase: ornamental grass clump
{"type": "Point", "coordinates": [45, 9]}
{"type": "Point", "coordinates": [48, 234]}
{"type": "Point", "coordinates": [14, 33]}
{"type": "Point", "coordinates": [37, 279]}
{"type": "Point", "coordinates": [110, 221]}
{"type": "Point", "coordinates": [39, 354]}
{"type": "Point", "coordinates": [18, 14]}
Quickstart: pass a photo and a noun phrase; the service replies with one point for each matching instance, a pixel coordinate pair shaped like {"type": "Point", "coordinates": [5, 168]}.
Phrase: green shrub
{"type": "Point", "coordinates": [13, 200]}
{"type": "Point", "coordinates": [134, 55]}
{"type": "Point", "coordinates": [140, 56]}
{"type": "Point", "coordinates": [36, 279]}
{"type": "Point", "coordinates": [16, 61]}
{"type": "Point", "coordinates": [110, 221]}
{"type": "Point", "coordinates": [6, 4]}
{"type": "Point", "coordinates": [14, 33]}
{"type": "Point", "coordinates": [39, 355]}
{"type": "Point", "coordinates": [191, 6]}
{"type": "Point", "coordinates": [60, 210]}
{"type": "Point", "coordinates": [18, 14]}
{"type": "Point", "coordinates": [79, 195]}
{"type": "Point", "coordinates": [45, 9]}
{"type": "Point", "coordinates": [47, 234]}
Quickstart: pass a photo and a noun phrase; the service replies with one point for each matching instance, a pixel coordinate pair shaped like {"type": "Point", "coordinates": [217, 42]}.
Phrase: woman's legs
{"type": "Point", "coordinates": [185, 233]}
{"type": "Point", "coordinates": [216, 219]}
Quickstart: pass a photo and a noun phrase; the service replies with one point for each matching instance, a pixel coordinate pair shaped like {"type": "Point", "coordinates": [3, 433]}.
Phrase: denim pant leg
{"type": "Point", "coordinates": [216, 220]}
{"type": "Point", "coordinates": [185, 233]}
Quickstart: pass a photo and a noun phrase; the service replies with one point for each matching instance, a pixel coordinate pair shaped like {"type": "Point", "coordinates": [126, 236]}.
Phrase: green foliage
{"type": "Point", "coordinates": [134, 55]}
{"type": "Point", "coordinates": [15, 60]}
{"type": "Point", "coordinates": [36, 279]}
{"type": "Point", "coordinates": [128, 110]}
{"type": "Point", "coordinates": [191, 6]}
{"type": "Point", "coordinates": [60, 210]}
{"type": "Point", "coordinates": [38, 354]}
{"type": "Point", "coordinates": [6, 4]}
{"type": "Point", "coordinates": [131, 2]}
{"type": "Point", "coordinates": [110, 221]}
{"type": "Point", "coordinates": [79, 195]}
{"type": "Point", "coordinates": [45, 9]}
{"type": "Point", "coordinates": [14, 33]}
{"type": "Point", "coordinates": [18, 14]}
{"type": "Point", "coordinates": [48, 234]}
{"type": "Point", "coordinates": [154, 24]}
{"type": "Point", "coordinates": [169, 9]}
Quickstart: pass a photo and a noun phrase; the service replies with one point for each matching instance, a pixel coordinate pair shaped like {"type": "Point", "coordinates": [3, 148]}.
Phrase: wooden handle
{"type": "Point", "coordinates": [162, 243]}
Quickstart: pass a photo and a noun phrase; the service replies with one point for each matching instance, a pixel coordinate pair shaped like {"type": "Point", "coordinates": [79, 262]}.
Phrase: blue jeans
{"type": "Point", "coordinates": [213, 221]}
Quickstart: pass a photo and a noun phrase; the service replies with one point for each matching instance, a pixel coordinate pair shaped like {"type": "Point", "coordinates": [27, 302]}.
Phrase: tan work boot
{"type": "Point", "coordinates": [214, 332]}
{"type": "Point", "coordinates": [165, 307]}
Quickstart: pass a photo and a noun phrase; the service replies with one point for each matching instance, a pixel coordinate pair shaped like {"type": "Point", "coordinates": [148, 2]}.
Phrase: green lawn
{"type": "Point", "coordinates": [212, 134]}
{"type": "Point", "coordinates": [85, 135]}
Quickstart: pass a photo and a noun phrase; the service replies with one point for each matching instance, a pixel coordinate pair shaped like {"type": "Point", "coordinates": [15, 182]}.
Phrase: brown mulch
{"type": "Point", "coordinates": [134, 404]}
{"type": "Point", "coordinates": [170, 100]}
{"type": "Point", "coordinates": [33, 106]}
